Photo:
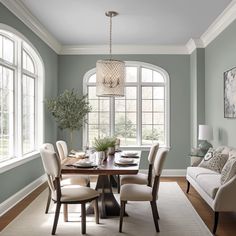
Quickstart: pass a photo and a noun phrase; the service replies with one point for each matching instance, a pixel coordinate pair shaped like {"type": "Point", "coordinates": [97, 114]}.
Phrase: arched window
{"type": "Point", "coordinates": [21, 107]}
{"type": "Point", "coordinates": [141, 117]}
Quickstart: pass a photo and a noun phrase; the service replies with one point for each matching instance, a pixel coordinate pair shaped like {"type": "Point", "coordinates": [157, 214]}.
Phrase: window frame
{"type": "Point", "coordinates": [21, 43]}
{"type": "Point", "coordinates": [139, 85]}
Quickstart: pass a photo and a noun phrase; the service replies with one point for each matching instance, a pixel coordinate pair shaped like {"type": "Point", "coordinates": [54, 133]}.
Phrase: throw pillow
{"type": "Point", "coordinates": [232, 154]}
{"type": "Point", "coordinates": [214, 160]}
{"type": "Point", "coordinates": [228, 171]}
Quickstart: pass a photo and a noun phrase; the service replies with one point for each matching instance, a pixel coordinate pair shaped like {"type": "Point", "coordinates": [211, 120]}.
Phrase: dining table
{"type": "Point", "coordinates": [108, 205]}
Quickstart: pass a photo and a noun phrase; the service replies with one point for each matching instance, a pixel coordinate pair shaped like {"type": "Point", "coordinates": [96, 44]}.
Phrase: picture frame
{"type": "Point", "coordinates": [230, 93]}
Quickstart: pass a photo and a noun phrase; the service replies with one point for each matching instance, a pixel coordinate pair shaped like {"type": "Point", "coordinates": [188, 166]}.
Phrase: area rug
{"type": "Point", "coordinates": [177, 218]}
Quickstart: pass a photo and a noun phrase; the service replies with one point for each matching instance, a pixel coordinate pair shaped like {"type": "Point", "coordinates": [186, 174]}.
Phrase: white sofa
{"type": "Point", "coordinates": [220, 197]}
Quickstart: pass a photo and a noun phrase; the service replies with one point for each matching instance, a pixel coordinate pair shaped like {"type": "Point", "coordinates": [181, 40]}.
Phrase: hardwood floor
{"type": "Point", "coordinates": [227, 221]}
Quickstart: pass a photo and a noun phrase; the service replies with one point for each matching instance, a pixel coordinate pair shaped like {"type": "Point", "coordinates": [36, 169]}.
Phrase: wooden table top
{"type": "Point", "coordinates": [108, 167]}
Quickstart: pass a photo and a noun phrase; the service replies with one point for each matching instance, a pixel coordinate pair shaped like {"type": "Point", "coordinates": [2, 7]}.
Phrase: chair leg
{"type": "Point", "coordinates": [56, 217]}
{"type": "Point", "coordinates": [158, 217]}
{"type": "Point", "coordinates": [118, 183]}
{"type": "Point", "coordinates": [83, 218]}
{"type": "Point", "coordinates": [155, 214]}
{"type": "Point", "coordinates": [48, 201]}
{"type": "Point", "coordinates": [65, 211]}
{"type": "Point", "coordinates": [216, 219]}
{"type": "Point", "coordinates": [122, 211]}
{"type": "Point", "coordinates": [96, 211]}
{"type": "Point", "coordinates": [188, 187]}
{"type": "Point", "coordinates": [88, 184]}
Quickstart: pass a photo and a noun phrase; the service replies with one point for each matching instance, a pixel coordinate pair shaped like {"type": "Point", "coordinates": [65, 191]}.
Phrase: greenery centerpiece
{"type": "Point", "coordinates": [111, 144]}
{"type": "Point", "coordinates": [69, 110]}
{"type": "Point", "coordinates": [103, 146]}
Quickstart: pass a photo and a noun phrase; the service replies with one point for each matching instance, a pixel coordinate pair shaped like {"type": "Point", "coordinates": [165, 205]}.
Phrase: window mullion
{"type": "Point", "coordinates": [18, 101]}
{"type": "Point", "coordinates": [139, 108]}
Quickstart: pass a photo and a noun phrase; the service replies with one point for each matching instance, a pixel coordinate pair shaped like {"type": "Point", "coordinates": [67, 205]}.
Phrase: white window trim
{"type": "Point", "coordinates": [17, 161]}
{"type": "Point", "coordinates": [165, 74]}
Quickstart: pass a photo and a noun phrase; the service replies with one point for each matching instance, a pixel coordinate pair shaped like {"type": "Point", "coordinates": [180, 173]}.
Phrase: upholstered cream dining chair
{"type": "Point", "coordinates": [137, 192]}
{"type": "Point", "coordinates": [69, 194]}
{"type": "Point", "coordinates": [141, 178]}
{"type": "Point", "coordinates": [65, 179]}
{"type": "Point", "coordinates": [63, 153]}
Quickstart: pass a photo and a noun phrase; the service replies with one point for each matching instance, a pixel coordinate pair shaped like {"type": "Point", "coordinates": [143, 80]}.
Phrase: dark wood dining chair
{"type": "Point", "coordinates": [69, 194]}
{"type": "Point", "coordinates": [137, 192]}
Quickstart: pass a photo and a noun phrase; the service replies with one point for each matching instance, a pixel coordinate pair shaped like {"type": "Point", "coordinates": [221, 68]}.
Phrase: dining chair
{"type": "Point", "coordinates": [137, 192]}
{"type": "Point", "coordinates": [142, 178]}
{"type": "Point", "coordinates": [63, 153]}
{"type": "Point", "coordinates": [68, 194]}
{"type": "Point", "coordinates": [65, 179]}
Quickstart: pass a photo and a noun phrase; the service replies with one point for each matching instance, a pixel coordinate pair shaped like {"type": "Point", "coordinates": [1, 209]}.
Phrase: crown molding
{"type": "Point", "coordinates": [21, 11]}
{"type": "Point", "coordinates": [123, 49]}
{"type": "Point", "coordinates": [192, 44]}
{"type": "Point", "coordinates": [220, 24]}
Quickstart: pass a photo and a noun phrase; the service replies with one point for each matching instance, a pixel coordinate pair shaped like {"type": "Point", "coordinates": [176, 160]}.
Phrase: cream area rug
{"type": "Point", "coordinates": [177, 218]}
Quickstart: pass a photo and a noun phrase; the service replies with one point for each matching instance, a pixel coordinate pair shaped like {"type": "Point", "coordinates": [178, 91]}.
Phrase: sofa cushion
{"type": "Point", "coordinates": [226, 150]}
{"type": "Point", "coordinates": [220, 149]}
{"type": "Point", "coordinates": [209, 183]}
{"type": "Point", "coordinates": [214, 160]}
{"type": "Point", "coordinates": [194, 172]}
{"type": "Point", "coordinates": [229, 170]}
{"type": "Point", "coordinates": [232, 153]}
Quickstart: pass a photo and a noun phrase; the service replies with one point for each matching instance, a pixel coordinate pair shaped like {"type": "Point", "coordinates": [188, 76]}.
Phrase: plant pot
{"type": "Point", "coordinates": [100, 157]}
{"type": "Point", "coordinates": [111, 150]}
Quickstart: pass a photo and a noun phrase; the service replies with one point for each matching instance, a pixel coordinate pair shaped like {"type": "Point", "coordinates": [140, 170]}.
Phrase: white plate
{"type": "Point", "coordinates": [83, 163]}
{"type": "Point", "coordinates": [129, 154]}
{"type": "Point", "coordinates": [125, 161]}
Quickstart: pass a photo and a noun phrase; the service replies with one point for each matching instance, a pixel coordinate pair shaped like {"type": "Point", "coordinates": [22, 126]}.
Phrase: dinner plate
{"type": "Point", "coordinates": [125, 161]}
{"type": "Point", "coordinates": [129, 154]}
{"type": "Point", "coordinates": [84, 164]}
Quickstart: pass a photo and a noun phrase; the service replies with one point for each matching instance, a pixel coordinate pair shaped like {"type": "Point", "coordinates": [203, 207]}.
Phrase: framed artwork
{"type": "Point", "coordinates": [230, 93]}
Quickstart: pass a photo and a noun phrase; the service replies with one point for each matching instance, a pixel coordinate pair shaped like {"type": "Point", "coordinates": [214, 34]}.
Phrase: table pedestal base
{"type": "Point", "coordinates": [108, 206]}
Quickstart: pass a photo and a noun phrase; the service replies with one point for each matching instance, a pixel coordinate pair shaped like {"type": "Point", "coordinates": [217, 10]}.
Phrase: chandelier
{"type": "Point", "coordinates": [110, 73]}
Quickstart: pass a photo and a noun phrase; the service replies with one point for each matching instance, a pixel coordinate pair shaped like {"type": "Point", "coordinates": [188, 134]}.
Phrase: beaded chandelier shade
{"type": "Point", "coordinates": [110, 73]}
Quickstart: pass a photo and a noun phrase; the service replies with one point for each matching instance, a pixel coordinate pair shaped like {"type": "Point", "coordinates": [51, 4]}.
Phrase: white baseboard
{"type": "Point", "coordinates": [170, 172]}
{"type": "Point", "coordinates": [17, 197]}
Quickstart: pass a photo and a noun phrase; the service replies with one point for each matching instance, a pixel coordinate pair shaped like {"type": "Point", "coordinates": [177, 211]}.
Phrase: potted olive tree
{"type": "Point", "coordinates": [69, 110]}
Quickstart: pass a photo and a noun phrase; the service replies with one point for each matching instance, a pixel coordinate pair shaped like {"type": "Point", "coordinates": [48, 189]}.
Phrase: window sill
{"type": "Point", "coordinates": [14, 162]}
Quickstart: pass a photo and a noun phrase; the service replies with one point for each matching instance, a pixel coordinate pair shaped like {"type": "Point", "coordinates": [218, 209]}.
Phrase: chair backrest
{"type": "Point", "coordinates": [48, 146]}
{"type": "Point", "coordinates": [152, 153]}
{"type": "Point", "coordinates": [151, 159]}
{"type": "Point", "coordinates": [159, 161]}
{"type": "Point", "coordinates": [158, 167]}
{"type": "Point", "coordinates": [62, 149]}
{"type": "Point", "coordinates": [52, 166]}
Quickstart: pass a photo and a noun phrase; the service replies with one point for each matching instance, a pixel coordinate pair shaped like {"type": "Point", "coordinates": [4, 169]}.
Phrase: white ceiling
{"type": "Point", "coordinates": [155, 22]}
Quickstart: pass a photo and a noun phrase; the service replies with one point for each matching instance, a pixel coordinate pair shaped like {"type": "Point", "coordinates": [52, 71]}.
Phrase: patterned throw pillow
{"type": "Point", "coordinates": [214, 160]}
{"type": "Point", "coordinates": [228, 171]}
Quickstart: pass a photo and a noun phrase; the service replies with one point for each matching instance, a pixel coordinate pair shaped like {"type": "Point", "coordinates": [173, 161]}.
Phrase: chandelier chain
{"type": "Point", "coordinates": [110, 36]}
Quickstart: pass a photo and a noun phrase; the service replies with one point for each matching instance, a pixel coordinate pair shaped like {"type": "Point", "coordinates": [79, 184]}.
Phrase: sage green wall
{"type": "Point", "coordinates": [220, 56]}
{"type": "Point", "coordinates": [197, 91]}
{"type": "Point", "coordinates": [72, 69]}
{"type": "Point", "coordinates": [17, 178]}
